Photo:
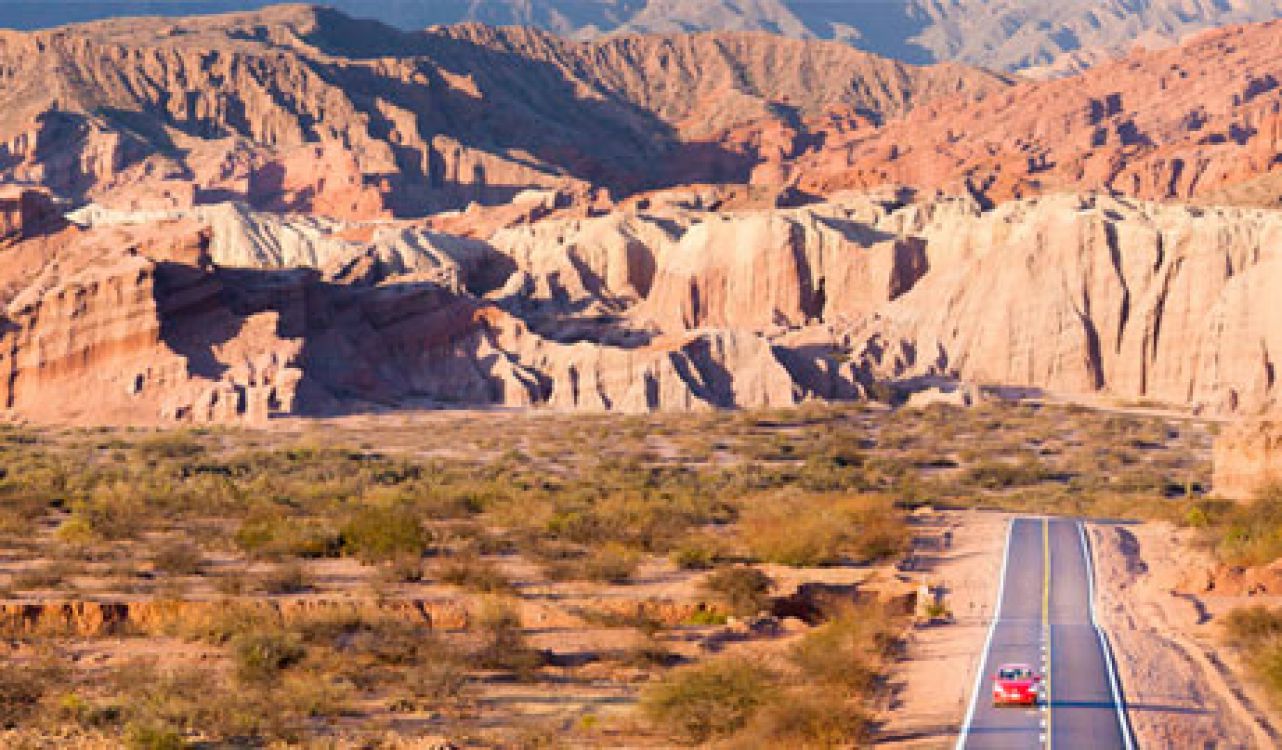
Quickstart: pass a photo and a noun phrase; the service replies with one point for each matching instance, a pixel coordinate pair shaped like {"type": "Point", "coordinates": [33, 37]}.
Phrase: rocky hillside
{"type": "Point", "coordinates": [308, 110]}
{"type": "Point", "coordinates": [1199, 122]}
{"type": "Point", "coordinates": [1012, 35]}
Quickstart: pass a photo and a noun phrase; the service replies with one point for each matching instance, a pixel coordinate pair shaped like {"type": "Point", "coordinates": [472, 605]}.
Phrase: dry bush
{"type": "Point", "coordinates": [711, 700]}
{"type": "Point", "coordinates": [806, 719]}
{"type": "Point", "coordinates": [847, 652]}
{"type": "Point", "coordinates": [285, 578]}
{"type": "Point", "coordinates": [1251, 534]}
{"type": "Point", "coordinates": [381, 534]}
{"type": "Point", "coordinates": [22, 686]}
{"type": "Point", "coordinates": [612, 563]}
{"type": "Point", "coordinates": [272, 535]}
{"type": "Point", "coordinates": [502, 641]}
{"type": "Point", "coordinates": [261, 656]}
{"type": "Point", "coordinates": [803, 530]}
{"type": "Point", "coordinates": [476, 574]}
{"type": "Point", "coordinates": [744, 590]}
{"type": "Point", "coordinates": [1257, 633]}
{"type": "Point", "coordinates": [177, 557]}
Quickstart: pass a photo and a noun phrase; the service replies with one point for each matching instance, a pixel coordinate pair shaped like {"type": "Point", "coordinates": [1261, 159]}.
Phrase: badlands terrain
{"type": "Point", "coordinates": [506, 386]}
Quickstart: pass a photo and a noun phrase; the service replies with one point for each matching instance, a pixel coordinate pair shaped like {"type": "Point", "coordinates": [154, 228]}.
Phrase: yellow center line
{"type": "Point", "coordinates": [1046, 620]}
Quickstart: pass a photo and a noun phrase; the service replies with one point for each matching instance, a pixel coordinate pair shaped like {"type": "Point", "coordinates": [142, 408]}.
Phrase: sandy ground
{"type": "Point", "coordinates": [926, 710]}
{"type": "Point", "coordinates": [1182, 688]}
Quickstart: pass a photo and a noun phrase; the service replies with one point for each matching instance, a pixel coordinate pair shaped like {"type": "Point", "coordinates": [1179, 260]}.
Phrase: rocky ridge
{"type": "Point", "coordinates": [304, 109]}
{"type": "Point", "coordinates": [1014, 35]}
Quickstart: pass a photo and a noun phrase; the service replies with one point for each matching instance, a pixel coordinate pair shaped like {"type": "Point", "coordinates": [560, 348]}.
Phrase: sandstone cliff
{"type": "Point", "coordinates": [223, 313]}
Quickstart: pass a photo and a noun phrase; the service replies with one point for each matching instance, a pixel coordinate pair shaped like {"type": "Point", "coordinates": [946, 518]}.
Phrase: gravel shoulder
{"type": "Point", "coordinates": [926, 711]}
{"type": "Point", "coordinates": [1182, 689]}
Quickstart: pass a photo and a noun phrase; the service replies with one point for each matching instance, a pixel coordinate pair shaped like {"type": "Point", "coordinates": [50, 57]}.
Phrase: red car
{"type": "Point", "coordinates": [1016, 685]}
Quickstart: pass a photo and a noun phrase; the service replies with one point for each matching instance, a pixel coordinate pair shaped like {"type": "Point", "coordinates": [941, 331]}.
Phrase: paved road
{"type": "Point", "coordinates": [1045, 618]}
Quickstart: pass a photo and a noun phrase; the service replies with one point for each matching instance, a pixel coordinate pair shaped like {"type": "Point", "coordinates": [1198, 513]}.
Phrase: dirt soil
{"type": "Point", "coordinates": [926, 711]}
{"type": "Point", "coordinates": [1183, 688]}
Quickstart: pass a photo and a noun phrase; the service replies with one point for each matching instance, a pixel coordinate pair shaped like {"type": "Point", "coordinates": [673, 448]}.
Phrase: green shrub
{"type": "Point", "coordinates": [379, 534]}
{"type": "Point", "coordinates": [261, 656]}
{"type": "Point", "coordinates": [274, 536]}
{"type": "Point", "coordinates": [147, 737]}
{"type": "Point", "coordinates": [711, 700]}
{"type": "Point", "coordinates": [743, 590]}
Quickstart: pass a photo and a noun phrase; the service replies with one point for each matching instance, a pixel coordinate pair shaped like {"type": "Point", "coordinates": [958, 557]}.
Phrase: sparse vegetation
{"type": "Point", "coordinates": [1256, 632]}
{"type": "Point", "coordinates": [716, 699]}
{"type": "Point", "coordinates": [544, 513]}
{"type": "Point", "coordinates": [743, 590]}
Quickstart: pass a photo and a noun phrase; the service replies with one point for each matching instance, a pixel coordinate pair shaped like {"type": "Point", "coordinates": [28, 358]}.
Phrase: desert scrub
{"type": "Point", "coordinates": [1257, 634]}
{"type": "Point", "coordinates": [848, 651]}
{"type": "Point", "coordinates": [711, 700]}
{"type": "Point", "coordinates": [741, 589]}
{"type": "Point", "coordinates": [284, 578]}
{"type": "Point", "coordinates": [1251, 534]}
{"type": "Point", "coordinates": [261, 656]}
{"type": "Point", "coordinates": [473, 573]}
{"type": "Point", "coordinates": [382, 534]}
{"type": "Point", "coordinates": [613, 563]}
{"type": "Point", "coordinates": [806, 717]}
{"type": "Point", "coordinates": [805, 530]}
{"type": "Point", "coordinates": [22, 686]}
{"type": "Point", "coordinates": [502, 645]}
{"type": "Point", "coordinates": [273, 535]}
{"type": "Point", "coordinates": [177, 557]}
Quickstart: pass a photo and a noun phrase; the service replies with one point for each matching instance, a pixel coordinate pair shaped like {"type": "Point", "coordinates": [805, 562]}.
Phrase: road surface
{"type": "Point", "coordinates": [1045, 618]}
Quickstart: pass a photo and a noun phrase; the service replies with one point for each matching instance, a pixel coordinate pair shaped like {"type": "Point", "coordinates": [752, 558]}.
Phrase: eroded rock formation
{"type": "Point", "coordinates": [304, 109]}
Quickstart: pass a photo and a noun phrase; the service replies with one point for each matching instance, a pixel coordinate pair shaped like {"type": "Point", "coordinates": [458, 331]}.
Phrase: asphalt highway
{"type": "Point", "coordinates": [1045, 618]}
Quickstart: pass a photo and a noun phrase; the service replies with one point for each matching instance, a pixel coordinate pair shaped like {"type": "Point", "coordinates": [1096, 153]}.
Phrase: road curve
{"type": "Point", "coordinates": [1045, 617]}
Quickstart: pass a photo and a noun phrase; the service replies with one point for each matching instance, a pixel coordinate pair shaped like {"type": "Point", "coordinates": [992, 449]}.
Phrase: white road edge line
{"type": "Point", "coordinates": [988, 642]}
{"type": "Point", "coordinates": [1122, 721]}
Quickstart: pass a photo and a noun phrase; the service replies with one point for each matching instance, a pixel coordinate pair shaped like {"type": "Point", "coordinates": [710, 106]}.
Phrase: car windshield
{"type": "Point", "coordinates": [1013, 673]}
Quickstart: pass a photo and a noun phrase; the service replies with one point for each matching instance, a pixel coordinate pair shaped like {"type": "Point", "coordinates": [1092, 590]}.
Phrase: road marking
{"type": "Point", "coordinates": [988, 642]}
{"type": "Point", "coordinates": [1122, 720]}
{"type": "Point", "coordinates": [1046, 627]}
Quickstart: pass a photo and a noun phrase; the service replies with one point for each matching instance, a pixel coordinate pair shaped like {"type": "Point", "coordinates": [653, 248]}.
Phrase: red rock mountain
{"type": "Point", "coordinates": [298, 108]}
{"type": "Point", "coordinates": [1199, 122]}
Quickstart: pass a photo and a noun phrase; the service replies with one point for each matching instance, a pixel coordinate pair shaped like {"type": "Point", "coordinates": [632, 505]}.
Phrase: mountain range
{"type": "Point", "coordinates": [291, 211]}
{"type": "Point", "coordinates": [1008, 35]}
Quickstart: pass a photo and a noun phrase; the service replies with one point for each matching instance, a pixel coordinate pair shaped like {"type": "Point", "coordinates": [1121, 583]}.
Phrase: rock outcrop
{"type": "Point", "coordinates": [1081, 294]}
